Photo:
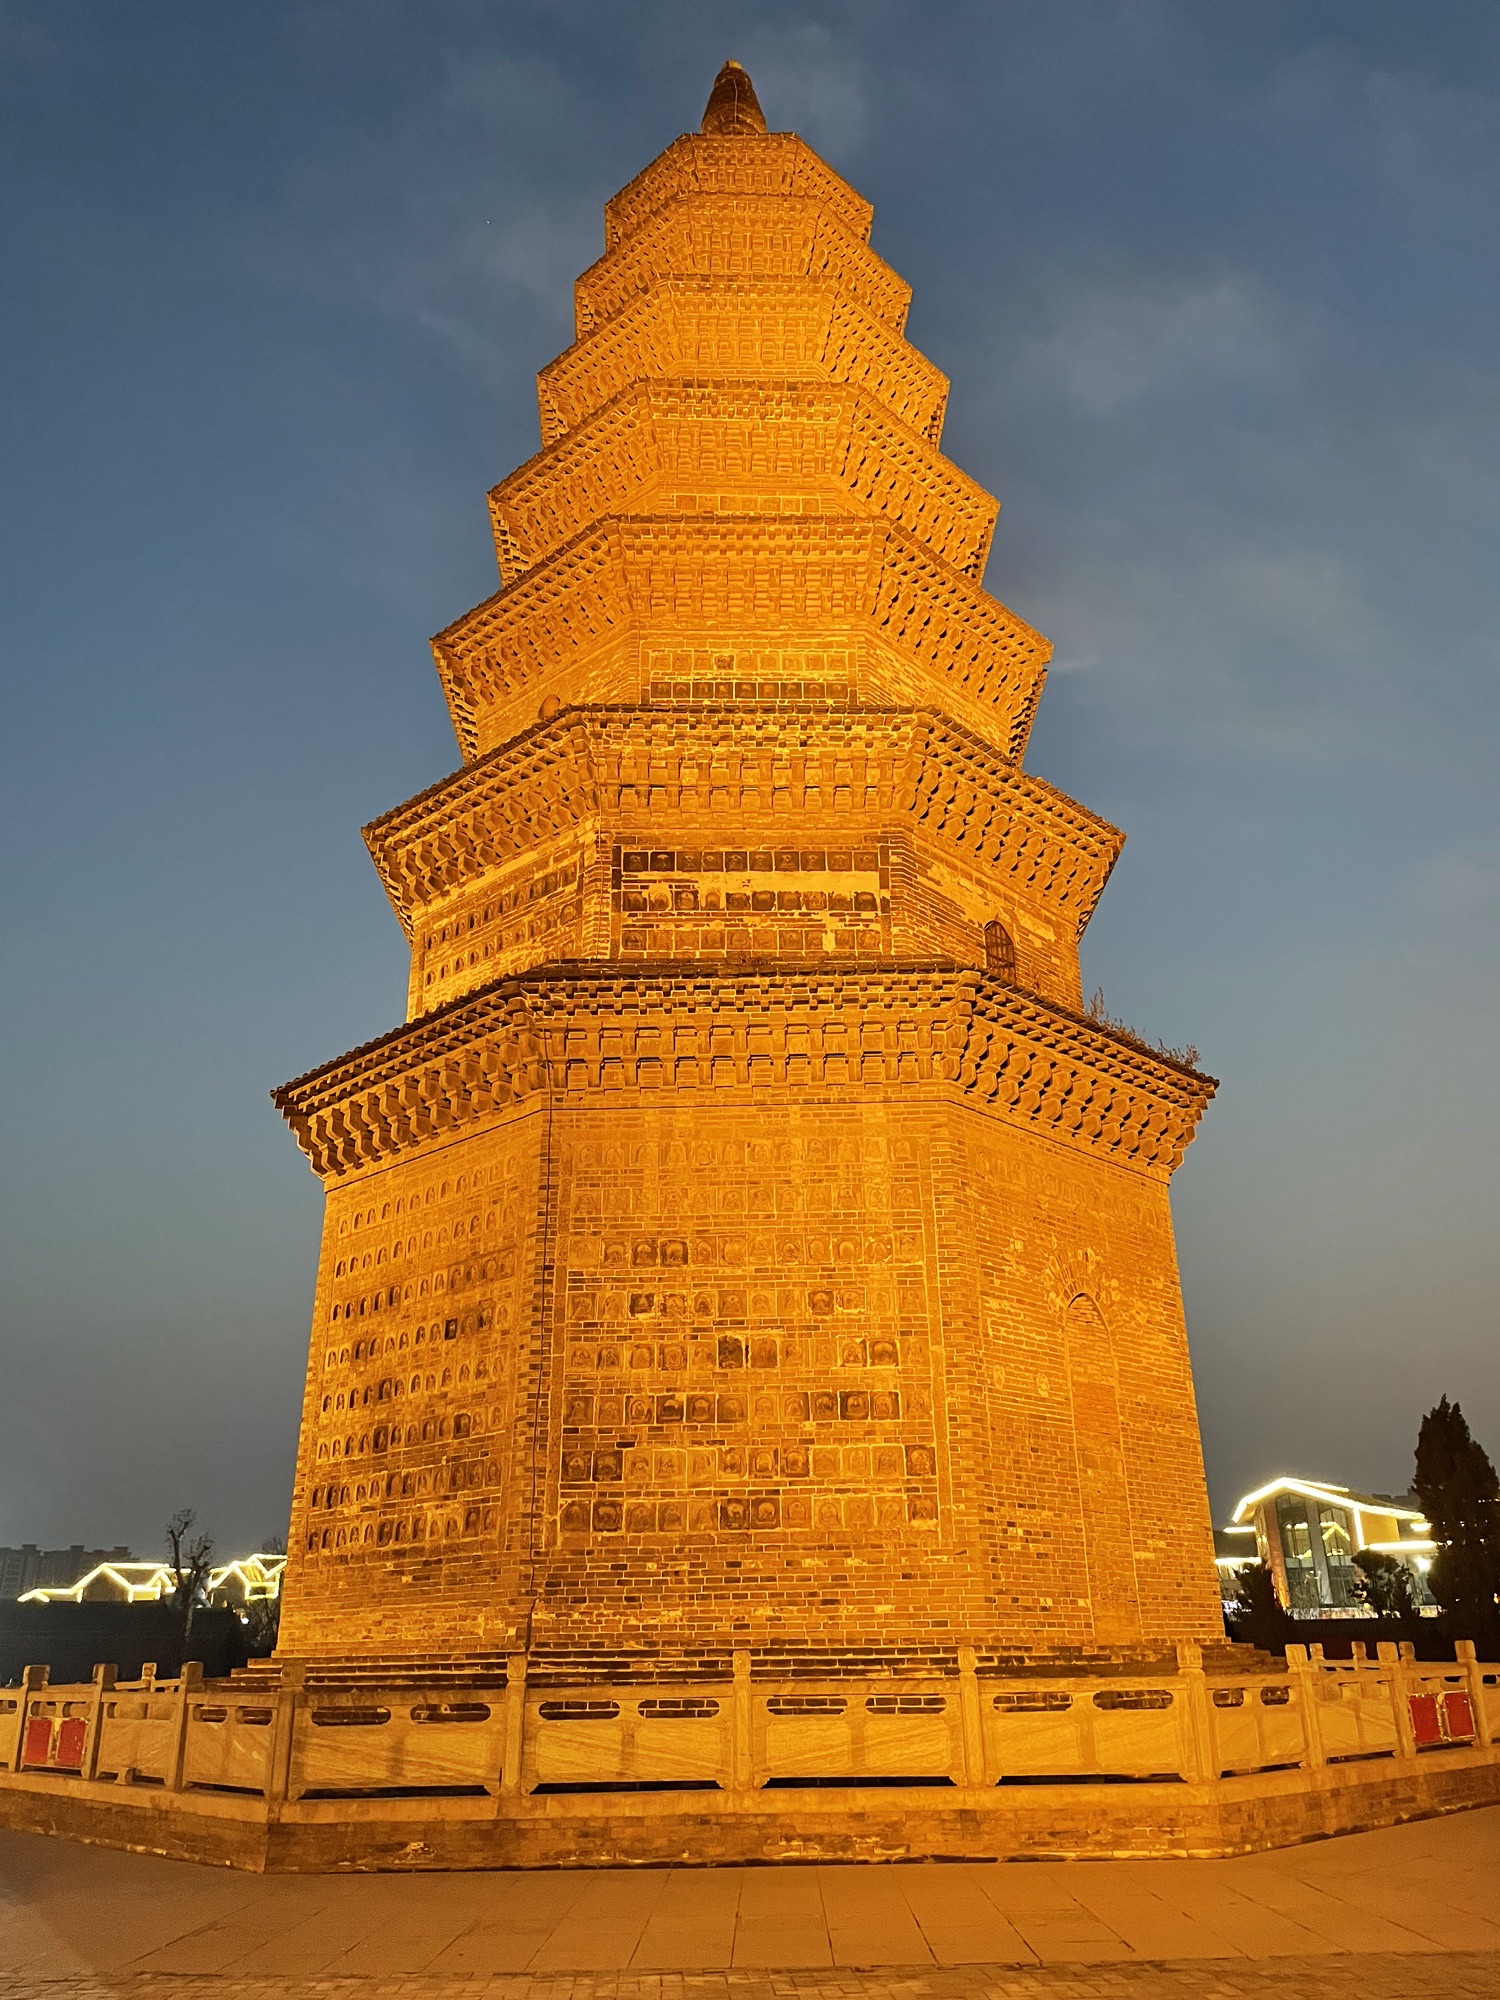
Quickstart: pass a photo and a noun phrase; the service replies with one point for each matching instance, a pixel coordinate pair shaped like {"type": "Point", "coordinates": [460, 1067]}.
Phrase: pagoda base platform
{"type": "Point", "coordinates": [306, 1768]}
{"type": "Point", "coordinates": [675, 1829]}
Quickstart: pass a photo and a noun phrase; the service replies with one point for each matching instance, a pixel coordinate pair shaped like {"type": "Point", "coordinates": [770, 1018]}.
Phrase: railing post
{"type": "Point", "coordinates": [972, 1716]}
{"type": "Point", "coordinates": [513, 1745]}
{"type": "Point", "coordinates": [189, 1684]}
{"type": "Point", "coordinates": [1394, 1665]}
{"type": "Point", "coordinates": [283, 1738]}
{"type": "Point", "coordinates": [1200, 1764]}
{"type": "Point", "coordinates": [1463, 1653]}
{"type": "Point", "coordinates": [1307, 1694]}
{"type": "Point", "coordinates": [742, 1740]}
{"type": "Point", "coordinates": [32, 1678]}
{"type": "Point", "coordinates": [104, 1682]}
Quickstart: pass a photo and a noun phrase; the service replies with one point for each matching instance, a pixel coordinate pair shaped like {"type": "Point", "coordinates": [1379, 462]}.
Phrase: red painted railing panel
{"type": "Point", "coordinates": [1425, 1726]}
{"type": "Point", "coordinates": [67, 1752]}
{"type": "Point", "coordinates": [38, 1740]}
{"type": "Point", "coordinates": [1458, 1716]}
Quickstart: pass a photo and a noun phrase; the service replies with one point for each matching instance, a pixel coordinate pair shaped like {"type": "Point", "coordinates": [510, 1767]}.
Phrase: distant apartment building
{"type": "Point", "coordinates": [29, 1568]}
{"type": "Point", "coordinates": [1307, 1533]}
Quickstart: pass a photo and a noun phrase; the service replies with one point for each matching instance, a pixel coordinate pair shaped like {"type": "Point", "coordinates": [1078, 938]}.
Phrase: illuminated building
{"type": "Point", "coordinates": [749, 1240]}
{"type": "Point", "coordinates": [242, 1581]}
{"type": "Point", "coordinates": [1307, 1533]}
{"type": "Point", "coordinates": [247, 1580]}
{"type": "Point", "coordinates": [109, 1583]}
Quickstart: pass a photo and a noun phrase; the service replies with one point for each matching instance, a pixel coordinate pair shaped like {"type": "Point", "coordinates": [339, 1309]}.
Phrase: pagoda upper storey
{"type": "Point", "coordinates": [740, 436]}
{"type": "Point", "coordinates": [710, 164]}
{"type": "Point", "coordinates": [756, 445]}
{"type": "Point", "coordinates": [741, 635]}
{"type": "Point", "coordinates": [744, 226]}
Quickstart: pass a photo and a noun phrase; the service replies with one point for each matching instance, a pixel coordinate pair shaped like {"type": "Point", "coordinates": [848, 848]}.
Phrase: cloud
{"type": "Point", "coordinates": [469, 210]}
{"type": "Point", "coordinates": [1215, 481]}
{"type": "Point", "coordinates": [1458, 888]}
{"type": "Point", "coordinates": [520, 100]}
{"type": "Point", "coordinates": [470, 285]}
{"type": "Point", "coordinates": [1266, 650]}
{"type": "Point", "coordinates": [1122, 339]}
{"type": "Point", "coordinates": [1417, 132]}
{"type": "Point", "coordinates": [808, 82]}
{"type": "Point", "coordinates": [1177, 577]}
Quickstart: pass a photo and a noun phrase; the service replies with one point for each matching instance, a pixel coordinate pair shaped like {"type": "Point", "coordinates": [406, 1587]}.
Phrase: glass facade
{"type": "Point", "coordinates": [1317, 1551]}
{"type": "Point", "coordinates": [1336, 1534]}
{"type": "Point", "coordinates": [1310, 1538]}
{"type": "Point", "coordinates": [1296, 1553]}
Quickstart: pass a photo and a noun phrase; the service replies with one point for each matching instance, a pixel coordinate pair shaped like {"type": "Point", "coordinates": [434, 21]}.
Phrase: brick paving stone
{"type": "Point", "coordinates": [90, 1924]}
{"type": "Point", "coordinates": [1369, 1975]}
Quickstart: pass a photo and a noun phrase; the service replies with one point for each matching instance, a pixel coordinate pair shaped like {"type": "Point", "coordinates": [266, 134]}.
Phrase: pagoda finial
{"type": "Point", "coordinates": [733, 107]}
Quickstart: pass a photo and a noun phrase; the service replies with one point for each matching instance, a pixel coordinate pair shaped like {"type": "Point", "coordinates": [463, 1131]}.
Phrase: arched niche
{"type": "Point", "coordinates": [1104, 1490]}
{"type": "Point", "coordinates": [999, 951]}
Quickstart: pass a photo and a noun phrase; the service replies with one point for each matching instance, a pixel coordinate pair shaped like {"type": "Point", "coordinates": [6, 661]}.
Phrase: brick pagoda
{"type": "Point", "coordinates": [749, 1243]}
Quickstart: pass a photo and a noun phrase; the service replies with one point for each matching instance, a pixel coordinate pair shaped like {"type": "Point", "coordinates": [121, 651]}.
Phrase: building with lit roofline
{"type": "Point", "coordinates": [1307, 1532]}
{"type": "Point", "coordinates": [246, 1580]}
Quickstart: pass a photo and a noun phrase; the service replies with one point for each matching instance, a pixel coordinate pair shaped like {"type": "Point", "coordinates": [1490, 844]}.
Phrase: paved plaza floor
{"type": "Point", "coordinates": [1409, 1911]}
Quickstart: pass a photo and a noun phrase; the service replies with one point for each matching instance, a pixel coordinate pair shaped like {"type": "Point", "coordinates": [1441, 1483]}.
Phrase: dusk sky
{"type": "Point", "coordinates": [1217, 288]}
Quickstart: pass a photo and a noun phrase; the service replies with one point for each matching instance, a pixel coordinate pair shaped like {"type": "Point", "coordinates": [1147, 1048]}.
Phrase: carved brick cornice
{"type": "Point", "coordinates": [659, 440]}
{"type": "Point", "coordinates": [777, 163]}
{"type": "Point", "coordinates": [735, 236]}
{"type": "Point", "coordinates": [858, 767]}
{"type": "Point", "coordinates": [572, 1034]}
{"type": "Point", "coordinates": [695, 328]}
{"type": "Point", "coordinates": [819, 577]}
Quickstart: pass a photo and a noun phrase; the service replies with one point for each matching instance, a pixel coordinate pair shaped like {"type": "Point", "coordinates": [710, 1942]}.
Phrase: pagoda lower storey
{"type": "Point", "coordinates": [521, 1762]}
{"type": "Point", "coordinates": [828, 1312]}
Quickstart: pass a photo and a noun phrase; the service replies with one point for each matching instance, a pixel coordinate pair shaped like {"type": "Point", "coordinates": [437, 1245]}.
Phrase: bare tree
{"type": "Point", "coordinates": [190, 1558]}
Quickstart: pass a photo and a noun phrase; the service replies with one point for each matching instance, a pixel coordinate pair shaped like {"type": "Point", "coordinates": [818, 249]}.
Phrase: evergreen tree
{"type": "Point", "coordinates": [1259, 1619]}
{"type": "Point", "coordinates": [1460, 1495]}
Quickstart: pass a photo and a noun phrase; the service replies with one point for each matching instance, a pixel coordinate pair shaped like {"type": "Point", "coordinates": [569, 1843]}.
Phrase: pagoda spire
{"type": "Point", "coordinates": [733, 107]}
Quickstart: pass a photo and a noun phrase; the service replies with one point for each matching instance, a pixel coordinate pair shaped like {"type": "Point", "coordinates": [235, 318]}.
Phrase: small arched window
{"type": "Point", "coordinates": [999, 951]}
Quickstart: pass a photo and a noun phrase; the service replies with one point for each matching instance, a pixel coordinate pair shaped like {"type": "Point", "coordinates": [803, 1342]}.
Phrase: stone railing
{"type": "Point", "coordinates": [282, 1740]}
